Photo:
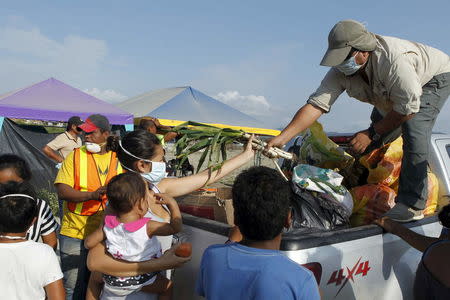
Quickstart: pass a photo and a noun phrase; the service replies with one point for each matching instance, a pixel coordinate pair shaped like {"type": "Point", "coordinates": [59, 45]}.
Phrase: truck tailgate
{"type": "Point", "coordinates": [355, 263]}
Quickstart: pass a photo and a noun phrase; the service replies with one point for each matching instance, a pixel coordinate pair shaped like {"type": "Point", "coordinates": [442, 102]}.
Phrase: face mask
{"type": "Point", "coordinates": [349, 66]}
{"type": "Point", "coordinates": [158, 172]}
{"type": "Point", "coordinates": [93, 147]}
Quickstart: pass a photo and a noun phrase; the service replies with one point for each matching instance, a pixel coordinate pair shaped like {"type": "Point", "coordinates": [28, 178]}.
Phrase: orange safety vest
{"type": "Point", "coordinates": [87, 179]}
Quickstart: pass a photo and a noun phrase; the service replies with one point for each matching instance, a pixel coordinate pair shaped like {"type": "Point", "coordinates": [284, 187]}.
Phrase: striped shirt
{"type": "Point", "coordinates": [45, 223]}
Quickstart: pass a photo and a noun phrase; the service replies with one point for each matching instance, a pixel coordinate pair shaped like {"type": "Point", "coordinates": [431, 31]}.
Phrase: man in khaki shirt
{"type": "Point", "coordinates": [406, 82]}
{"type": "Point", "coordinates": [64, 143]}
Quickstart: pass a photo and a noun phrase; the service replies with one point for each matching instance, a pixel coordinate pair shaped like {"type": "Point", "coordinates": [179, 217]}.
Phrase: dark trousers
{"type": "Point", "coordinates": [416, 133]}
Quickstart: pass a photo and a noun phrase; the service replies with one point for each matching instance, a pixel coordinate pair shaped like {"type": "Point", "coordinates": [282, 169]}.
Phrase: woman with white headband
{"type": "Point", "coordinates": [15, 168]}
{"type": "Point", "coordinates": [22, 275]}
{"type": "Point", "coordinates": [141, 152]}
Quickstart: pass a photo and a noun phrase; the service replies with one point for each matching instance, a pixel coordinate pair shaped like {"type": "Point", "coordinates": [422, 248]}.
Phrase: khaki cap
{"type": "Point", "coordinates": [344, 36]}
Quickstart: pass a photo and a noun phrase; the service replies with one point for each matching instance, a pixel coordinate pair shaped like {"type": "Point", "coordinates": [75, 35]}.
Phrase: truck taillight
{"type": "Point", "coordinates": [316, 268]}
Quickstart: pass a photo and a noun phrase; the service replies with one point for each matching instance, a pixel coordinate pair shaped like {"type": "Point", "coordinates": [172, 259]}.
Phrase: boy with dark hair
{"type": "Point", "coordinates": [254, 268]}
{"type": "Point", "coordinates": [29, 270]}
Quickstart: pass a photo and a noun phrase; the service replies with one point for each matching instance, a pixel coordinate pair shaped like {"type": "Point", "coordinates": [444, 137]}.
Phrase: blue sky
{"type": "Point", "coordinates": [259, 56]}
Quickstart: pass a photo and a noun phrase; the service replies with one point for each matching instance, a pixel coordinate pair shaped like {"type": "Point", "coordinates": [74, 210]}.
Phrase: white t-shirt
{"type": "Point", "coordinates": [26, 268]}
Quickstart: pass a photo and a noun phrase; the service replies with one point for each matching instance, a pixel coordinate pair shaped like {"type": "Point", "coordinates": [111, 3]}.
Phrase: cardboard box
{"type": "Point", "coordinates": [212, 203]}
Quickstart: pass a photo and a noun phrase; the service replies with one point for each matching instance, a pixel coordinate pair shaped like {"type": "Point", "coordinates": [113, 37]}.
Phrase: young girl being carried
{"type": "Point", "coordinates": [132, 237]}
{"type": "Point", "coordinates": [141, 152]}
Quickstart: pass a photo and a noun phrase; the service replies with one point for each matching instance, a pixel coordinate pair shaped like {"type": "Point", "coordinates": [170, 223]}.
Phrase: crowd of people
{"type": "Point", "coordinates": [119, 215]}
{"type": "Point", "coordinates": [110, 188]}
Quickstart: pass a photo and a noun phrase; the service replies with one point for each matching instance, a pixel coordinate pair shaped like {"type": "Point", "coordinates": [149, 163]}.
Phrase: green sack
{"type": "Point", "coordinates": [318, 150]}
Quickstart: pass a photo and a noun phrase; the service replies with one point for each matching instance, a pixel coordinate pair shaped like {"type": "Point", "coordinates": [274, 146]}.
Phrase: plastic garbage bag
{"type": "Point", "coordinates": [317, 210]}
{"type": "Point", "coordinates": [318, 150]}
{"type": "Point", "coordinates": [384, 163]}
{"type": "Point", "coordinates": [370, 202]}
{"type": "Point", "coordinates": [323, 181]}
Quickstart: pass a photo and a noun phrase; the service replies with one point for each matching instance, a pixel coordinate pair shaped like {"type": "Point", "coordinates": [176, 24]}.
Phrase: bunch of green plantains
{"type": "Point", "coordinates": [213, 141]}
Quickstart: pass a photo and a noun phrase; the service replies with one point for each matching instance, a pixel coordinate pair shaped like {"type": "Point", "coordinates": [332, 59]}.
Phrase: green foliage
{"type": "Point", "coordinates": [51, 198]}
{"type": "Point", "coordinates": [51, 129]}
{"type": "Point", "coordinates": [212, 140]}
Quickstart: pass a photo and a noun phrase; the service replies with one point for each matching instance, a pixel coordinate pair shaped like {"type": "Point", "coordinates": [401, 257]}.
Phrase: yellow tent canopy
{"type": "Point", "coordinates": [262, 131]}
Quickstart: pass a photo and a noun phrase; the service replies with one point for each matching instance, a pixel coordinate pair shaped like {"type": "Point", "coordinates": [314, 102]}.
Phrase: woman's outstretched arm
{"type": "Point", "coordinates": [181, 186]}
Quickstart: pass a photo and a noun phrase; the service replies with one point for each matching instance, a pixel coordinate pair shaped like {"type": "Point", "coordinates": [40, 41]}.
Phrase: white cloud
{"type": "Point", "coordinates": [27, 55]}
{"type": "Point", "coordinates": [250, 104]}
{"type": "Point", "coordinates": [108, 95]}
{"type": "Point", "coordinates": [71, 51]}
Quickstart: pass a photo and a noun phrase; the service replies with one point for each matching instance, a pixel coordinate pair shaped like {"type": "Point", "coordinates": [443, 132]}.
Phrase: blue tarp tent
{"type": "Point", "coordinates": [186, 103]}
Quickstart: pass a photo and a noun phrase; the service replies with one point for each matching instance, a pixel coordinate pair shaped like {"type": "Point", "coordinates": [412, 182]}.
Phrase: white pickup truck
{"type": "Point", "coordinates": [355, 263]}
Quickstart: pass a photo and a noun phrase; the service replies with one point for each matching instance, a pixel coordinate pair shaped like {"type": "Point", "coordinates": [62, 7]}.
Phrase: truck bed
{"type": "Point", "coordinates": [304, 238]}
{"type": "Point", "coordinates": [330, 255]}
{"type": "Point", "coordinates": [354, 263]}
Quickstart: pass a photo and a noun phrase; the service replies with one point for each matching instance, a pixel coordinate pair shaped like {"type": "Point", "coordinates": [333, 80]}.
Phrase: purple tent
{"type": "Point", "coordinates": [53, 100]}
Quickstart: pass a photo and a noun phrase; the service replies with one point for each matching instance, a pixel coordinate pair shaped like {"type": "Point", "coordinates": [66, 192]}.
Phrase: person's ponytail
{"type": "Point", "coordinates": [112, 143]}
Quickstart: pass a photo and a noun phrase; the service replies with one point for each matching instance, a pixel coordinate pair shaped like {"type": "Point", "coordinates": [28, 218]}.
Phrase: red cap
{"type": "Point", "coordinates": [88, 126]}
{"type": "Point", "coordinates": [95, 121]}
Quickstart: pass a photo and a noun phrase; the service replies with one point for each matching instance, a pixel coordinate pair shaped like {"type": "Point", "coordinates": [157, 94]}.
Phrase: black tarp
{"type": "Point", "coordinates": [27, 142]}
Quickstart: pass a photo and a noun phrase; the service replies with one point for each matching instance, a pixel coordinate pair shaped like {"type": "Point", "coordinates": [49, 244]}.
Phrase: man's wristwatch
{"type": "Point", "coordinates": [374, 136]}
